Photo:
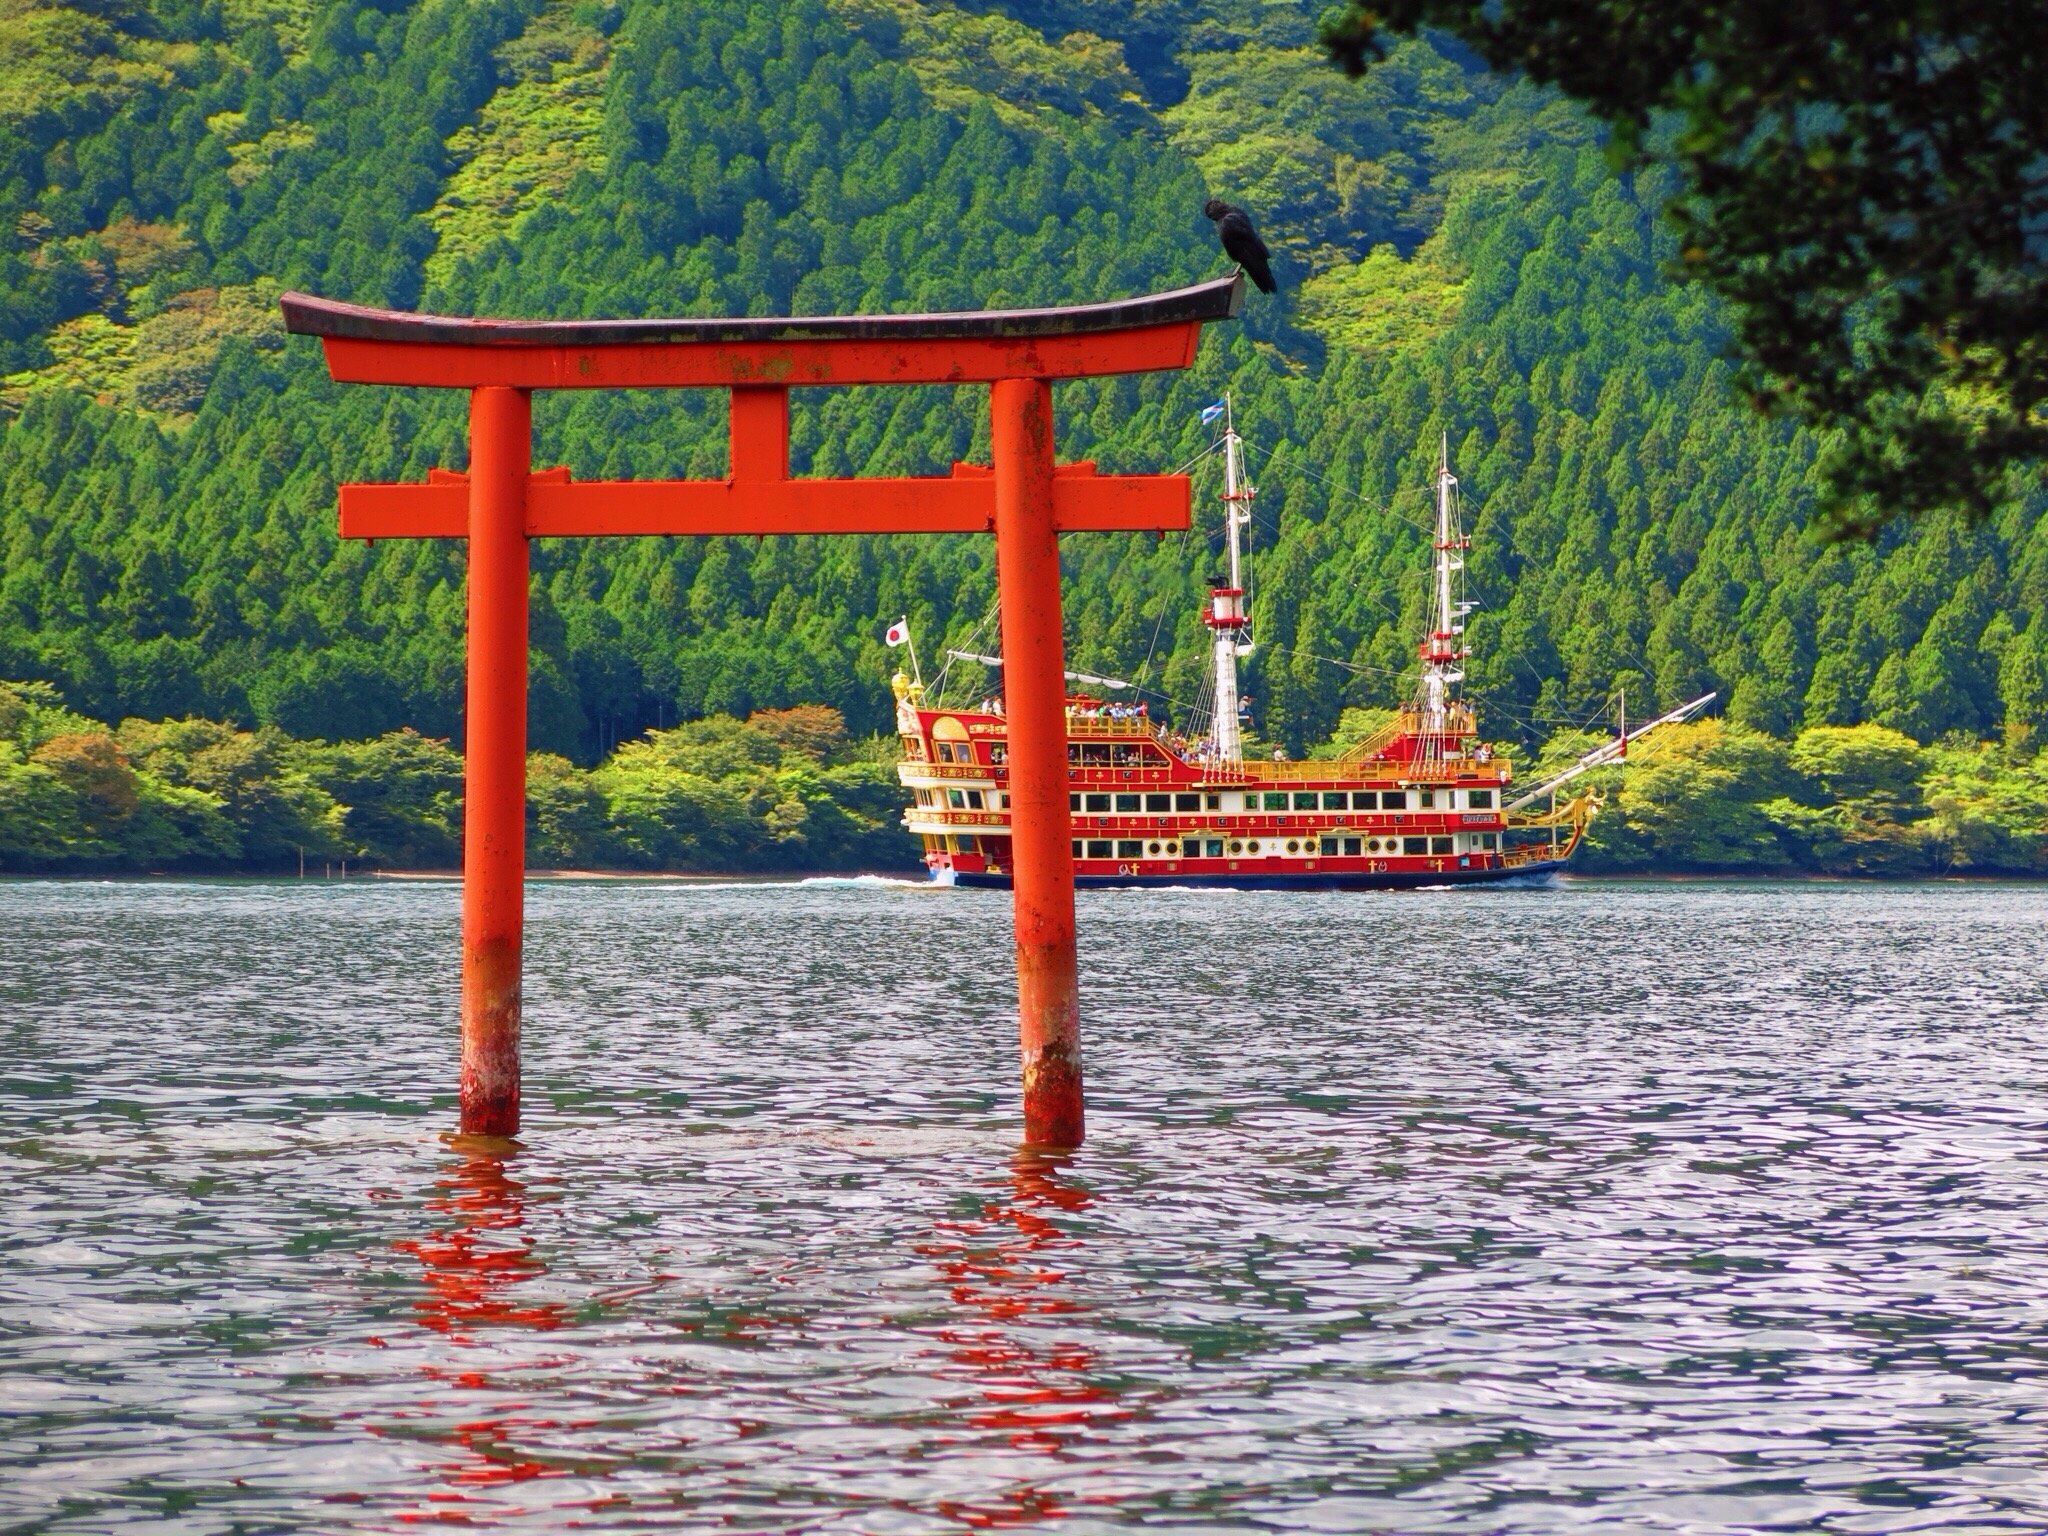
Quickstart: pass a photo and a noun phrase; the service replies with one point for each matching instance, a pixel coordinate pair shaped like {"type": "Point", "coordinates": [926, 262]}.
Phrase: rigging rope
{"type": "Point", "coordinates": [1179, 549]}
{"type": "Point", "coordinates": [939, 687]}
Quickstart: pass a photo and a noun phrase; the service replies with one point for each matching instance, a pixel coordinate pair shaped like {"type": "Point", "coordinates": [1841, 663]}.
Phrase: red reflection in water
{"type": "Point", "coordinates": [1004, 1267]}
{"type": "Point", "coordinates": [474, 1263]}
{"type": "Point", "coordinates": [1029, 1385]}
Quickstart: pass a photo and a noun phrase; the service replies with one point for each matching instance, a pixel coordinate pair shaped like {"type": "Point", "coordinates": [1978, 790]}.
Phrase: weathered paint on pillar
{"type": "Point", "coordinates": [1034, 696]}
{"type": "Point", "coordinates": [494, 774]}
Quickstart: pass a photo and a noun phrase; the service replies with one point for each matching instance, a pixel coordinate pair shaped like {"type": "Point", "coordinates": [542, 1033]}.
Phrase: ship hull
{"type": "Point", "coordinates": [1335, 880]}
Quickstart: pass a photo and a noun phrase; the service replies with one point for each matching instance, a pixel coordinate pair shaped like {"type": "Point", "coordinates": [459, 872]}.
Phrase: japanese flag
{"type": "Point", "coordinates": [899, 632]}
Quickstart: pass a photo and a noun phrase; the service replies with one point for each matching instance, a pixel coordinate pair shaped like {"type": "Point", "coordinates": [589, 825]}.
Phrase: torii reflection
{"type": "Point", "coordinates": [476, 1261]}
{"type": "Point", "coordinates": [1036, 1387]}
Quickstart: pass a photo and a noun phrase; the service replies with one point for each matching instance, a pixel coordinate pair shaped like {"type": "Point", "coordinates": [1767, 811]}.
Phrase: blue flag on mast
{"type": "Point", "coordinates": [1211, 412]}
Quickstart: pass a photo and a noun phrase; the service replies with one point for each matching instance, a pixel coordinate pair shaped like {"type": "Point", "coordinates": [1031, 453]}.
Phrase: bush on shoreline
{"type": "Point", "coordinates": [1711, 797]}
{"type": "Point", "coordinates": [783, 790]}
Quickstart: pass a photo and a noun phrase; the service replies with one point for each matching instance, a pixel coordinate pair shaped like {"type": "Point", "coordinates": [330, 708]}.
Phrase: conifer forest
{"type": "Point", "coordinates": [203, 676]}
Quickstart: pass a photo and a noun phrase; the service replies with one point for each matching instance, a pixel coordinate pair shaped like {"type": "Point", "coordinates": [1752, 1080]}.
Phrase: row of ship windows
{"type": "Point", "coordinates": [1297, 800]}
{"type": "Point", "coordinates": [963, 799]}
{"type": "Point", "coordinates": [1286, 800]}
{"type": "Point", "coordinates": [1093, 754]}
{"type": "Point", "coordinates": [959, 751]}
{"type": "Point", "coordinates": [1310, 847]}
{"type": "Point", "coordinates": [1089, 755]}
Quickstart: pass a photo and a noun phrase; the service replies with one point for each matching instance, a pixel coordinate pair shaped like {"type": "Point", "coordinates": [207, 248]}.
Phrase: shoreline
{"type": "Point", "coordinates": [917, 878]}
{"type": "Point", "coordinates": [451, 876]}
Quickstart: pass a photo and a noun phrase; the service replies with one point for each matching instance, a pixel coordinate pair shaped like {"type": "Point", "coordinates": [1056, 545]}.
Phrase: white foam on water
{"type": "Point", "coordinates": [1542, 880]}
{"type": "Point", "coordinates": [770, 882]}
{"type": "Point", "coordinates": [671, 887]}
{"type": "Point", "coordinates": [884, 882]}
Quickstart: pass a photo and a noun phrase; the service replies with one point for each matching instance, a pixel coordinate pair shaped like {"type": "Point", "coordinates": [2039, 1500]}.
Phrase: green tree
{"type": "Point", "coordinates": [269, 812]}
{"type": "Point", "coordinates": [1692, 799]}
{"type": "Point", "coordinates": [566, 826]}
{"type": "Point", "coordinates": [1857, 807]}
{"type": "Point", "coordinates": [42, 818]}
{"type": "Point", "coordinates": [403, 796]}
{"type": "Point", "coordinates": [92, 766]}
{"type": "Point", "coordinates": [1471, 268]}
{"type": "Point", "coordinates": [1866, 191]}
{"type": "Point", "coordinates": [2023, 690]}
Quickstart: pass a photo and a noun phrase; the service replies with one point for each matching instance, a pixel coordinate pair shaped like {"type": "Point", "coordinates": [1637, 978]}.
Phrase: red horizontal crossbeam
{"type": "Point", "coordinates": [662, 365]}
{"type": "Point", "coordinates": [965, 502]}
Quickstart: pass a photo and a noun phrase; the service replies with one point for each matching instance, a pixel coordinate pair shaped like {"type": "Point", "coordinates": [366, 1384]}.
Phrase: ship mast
{"type": "Point", "coordinates": [1444, 652]}
{"type": "Point", "coordinates": [1226, 615]}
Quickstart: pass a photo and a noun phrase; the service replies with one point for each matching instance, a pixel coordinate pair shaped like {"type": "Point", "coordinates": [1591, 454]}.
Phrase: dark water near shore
{"type": "Point", "coordinates": [1608, 1207]}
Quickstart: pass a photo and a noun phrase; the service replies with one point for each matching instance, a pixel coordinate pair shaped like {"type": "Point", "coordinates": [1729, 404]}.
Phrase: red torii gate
{"type": "Point", "coordinates": [1026, 500]}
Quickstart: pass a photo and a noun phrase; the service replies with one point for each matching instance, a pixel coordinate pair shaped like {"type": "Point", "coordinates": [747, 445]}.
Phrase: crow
{"type": "Point", "coordinates": [1241, 243]}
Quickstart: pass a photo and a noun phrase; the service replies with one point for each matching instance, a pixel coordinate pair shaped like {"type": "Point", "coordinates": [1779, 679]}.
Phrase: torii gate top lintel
{"type": "Point", "coordinates": [381, 346]}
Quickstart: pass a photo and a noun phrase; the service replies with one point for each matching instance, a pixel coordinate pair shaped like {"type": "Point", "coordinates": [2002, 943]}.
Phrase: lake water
{"type": "Point", "coordinates": [1603, 1207]}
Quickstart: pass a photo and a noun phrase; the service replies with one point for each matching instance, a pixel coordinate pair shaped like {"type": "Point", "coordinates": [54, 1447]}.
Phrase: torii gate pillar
{"type": "Point", "coordinates": [494, 759]}
{"type": "Point", "coordinates": [1027, 501]}
{"type": "Point", "coordinates": [1035, 699]}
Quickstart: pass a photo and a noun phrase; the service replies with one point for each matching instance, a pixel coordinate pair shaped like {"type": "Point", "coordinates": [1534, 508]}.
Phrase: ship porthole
{"type": "Point", "coordinates": [1173, 850]}
{"type": "Point", "coordinates": [1293, 846]}
{"type": "Point", "coordinates": [1152, 848]}
{"type": "Point", "coordinates": [1237, 847]}
{"type": "Point", "coordinates": [1372, 845]}
{"type": "Point", "coordinates": [1252, 848]}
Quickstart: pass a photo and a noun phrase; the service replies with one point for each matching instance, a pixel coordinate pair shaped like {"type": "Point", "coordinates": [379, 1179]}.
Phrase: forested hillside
{"type": "Point", "coordinates": [1456, 259]}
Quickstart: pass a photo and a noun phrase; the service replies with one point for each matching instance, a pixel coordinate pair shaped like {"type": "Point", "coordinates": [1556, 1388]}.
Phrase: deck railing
{"type": "Point", "coordinates": [1354, 762]}
{"type": "Point", "coordinates": [948, 817]}
{"type": "Point", "coordinates": [1102, 725]}
{"type": "Point", "coordinates": [921, 769]}
{"type": "Point", "coordinates": [1253, 771]}
{"type": "Point", "coordinates": [1256, 772]}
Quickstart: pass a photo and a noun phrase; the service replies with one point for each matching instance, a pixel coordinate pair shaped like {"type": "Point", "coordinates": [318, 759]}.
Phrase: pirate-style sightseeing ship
{"type": "Point", "coordinates": [1423, 802]}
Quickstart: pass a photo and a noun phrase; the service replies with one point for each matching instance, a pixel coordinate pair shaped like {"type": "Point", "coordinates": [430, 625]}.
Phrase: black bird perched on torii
{"type": "Point", "coordinates": [1241, 243]}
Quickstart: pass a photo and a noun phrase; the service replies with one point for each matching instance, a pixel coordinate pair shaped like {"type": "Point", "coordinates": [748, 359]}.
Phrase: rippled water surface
{"type": "Point", "coordinates": [1603, 1207]}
